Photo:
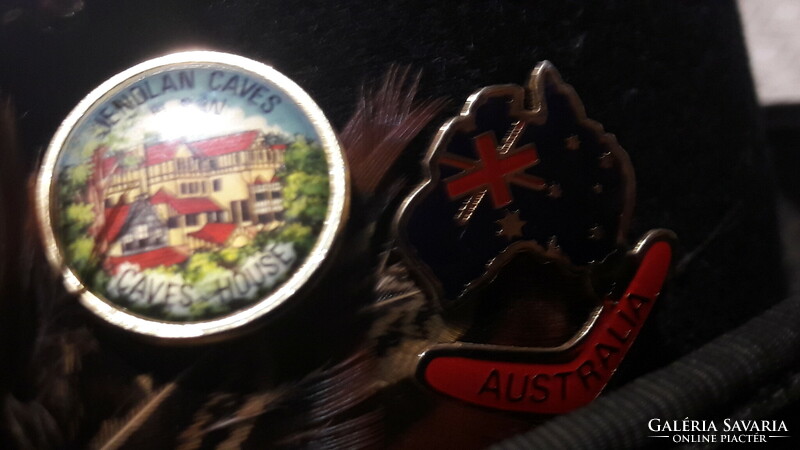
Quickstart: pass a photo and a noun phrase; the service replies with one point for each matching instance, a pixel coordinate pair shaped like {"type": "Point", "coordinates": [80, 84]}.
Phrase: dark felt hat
{"type": "Point", "coordinates": [669, 78]}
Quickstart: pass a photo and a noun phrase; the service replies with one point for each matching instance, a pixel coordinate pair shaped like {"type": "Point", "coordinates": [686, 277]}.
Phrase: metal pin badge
{"type": "Point", "coordinates": [520, 234]}
{"type": "Point", "coordinates": [191, 195]}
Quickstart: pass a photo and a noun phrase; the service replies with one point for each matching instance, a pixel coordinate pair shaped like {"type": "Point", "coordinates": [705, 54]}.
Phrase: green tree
{"type": "Point", "coordinates": [305, 156]}
{"type": "Point", "coordinates": [79, 251]}
{"type": "Point", "coordinates": [306, 185]}
{"type": "Point", "coordinates": [306, 198]}
{"type": "Point", "coordinates": [77, 218]}
{"type": "Point", "coordinates": [200, 265]}
{"type": "Point", "coordinates": [229, 257]}
{"type": "Point", "coordinates": [300, 235]}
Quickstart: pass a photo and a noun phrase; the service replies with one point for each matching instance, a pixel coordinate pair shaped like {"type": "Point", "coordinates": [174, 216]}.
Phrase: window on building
{"type": "Point", "coordinates": [277, 194]}
{"type": "Point", "coordinates": [211, 217]}
{"type": "Point", "coordinates": [140, 231]}
{"type": "Point", "coordinates": [213, 164]}
{"type": "Point", "coordinates": [217, 184]}
{"type": "Point", "coordinates": [237, 216]}
{"type": "Point", "coordinates": [157, 236]}
{"type": "Point", "coordinates": [174, 222]}
{"type": "Point", "coordinates": [245, 211]}
{"type": "Point", "coordinates": [263, 218]}
{"type": "Point", "coordinates": [261, 196]}
{"type": "Point", "coordinates": [191, 220]}
{"type": "Point", "coordinates": [183, 188]}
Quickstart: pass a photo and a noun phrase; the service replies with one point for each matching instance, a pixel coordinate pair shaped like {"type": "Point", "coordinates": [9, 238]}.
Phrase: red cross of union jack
{"type": "Point", "coordinates": [493, 171]}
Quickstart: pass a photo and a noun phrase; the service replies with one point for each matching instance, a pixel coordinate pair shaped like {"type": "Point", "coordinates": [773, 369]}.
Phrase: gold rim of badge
{"type": "Point", "coordinates": [136, 291]}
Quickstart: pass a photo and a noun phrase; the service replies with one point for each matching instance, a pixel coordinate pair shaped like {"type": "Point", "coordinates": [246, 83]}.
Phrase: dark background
{"type": "Point", "coordinates": [670, 78]}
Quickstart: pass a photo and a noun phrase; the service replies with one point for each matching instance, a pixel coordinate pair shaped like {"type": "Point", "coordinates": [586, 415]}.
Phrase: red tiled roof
{"type": "Point", "coordinates": [115, 219]}
{"type": "Point", "coordinates": [279, 147]}
{"type": "Point", "coordinates": [110, 164]}
{"type": "Point", "coordinates": [223, 145]}
{"type": "Point", "coordinates": [217, 233]}
{"type": "Point", "coordinates": [161, 196]}
{"type": "Point", "coordinates": [161, 152]}
{"type": "Point", "coordinates": [260, 180]}
{"type": "Point", "coordinates": [165, 256]}
{"type": "Point", "coordinates": [107, 164]}
{"type": "Point", "coordinates": [193, 205]}
{"type": "Point", "coordinates": [188, 205]}
{"type": "Point", "coordinates": [220, 145]}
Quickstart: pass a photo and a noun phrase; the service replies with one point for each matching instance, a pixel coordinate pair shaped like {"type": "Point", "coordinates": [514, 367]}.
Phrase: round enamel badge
{"type": "Point", "coordinates": [192, 194]}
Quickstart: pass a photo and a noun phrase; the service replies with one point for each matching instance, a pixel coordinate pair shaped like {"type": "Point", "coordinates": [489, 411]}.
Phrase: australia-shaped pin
{"type": "Point", "coordinates": [520, 234]}
{"type": "Point", "coordinates": [192, 195]}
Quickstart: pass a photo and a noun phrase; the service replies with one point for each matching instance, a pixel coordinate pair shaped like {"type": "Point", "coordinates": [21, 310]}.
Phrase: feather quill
{"type": "Point", "coordinates": [387, 118]}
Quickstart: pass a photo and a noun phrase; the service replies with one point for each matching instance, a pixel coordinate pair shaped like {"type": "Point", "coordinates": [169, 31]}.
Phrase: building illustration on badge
{"type": "Point", "coordinates": [190, 193]}
{"type": "Point", "coordinates": [204, 194]}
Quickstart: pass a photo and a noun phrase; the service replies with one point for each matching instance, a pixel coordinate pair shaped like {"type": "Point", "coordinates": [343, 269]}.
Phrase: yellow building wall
{"type": "Point", "coordinates": [176, 237]}
{"type": "Point", "coordinates": [234, 188]}
{"type": "Point", "coordinates": [114, 249]}
{"type": "Point", "coordinates": [235, 171]}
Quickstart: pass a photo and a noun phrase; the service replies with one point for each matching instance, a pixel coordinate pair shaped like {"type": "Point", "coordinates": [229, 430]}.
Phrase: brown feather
{"type": "Point", "coordinates": [25, 421]}
{"type": "Point", "coordinates": [386, 119]}
{"type": "Point", "coordinates": [59, 386]}
{"type": "Point", "coordinates": [114, 432]}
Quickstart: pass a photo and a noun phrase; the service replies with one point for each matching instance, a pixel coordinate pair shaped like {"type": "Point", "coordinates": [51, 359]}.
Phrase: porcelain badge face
{"type": "Point", "coordinates": [192, 194]}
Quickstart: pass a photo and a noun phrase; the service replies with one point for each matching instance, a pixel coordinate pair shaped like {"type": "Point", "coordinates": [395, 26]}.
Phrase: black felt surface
{"type": "Point", "coordinates": [668, 77]}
